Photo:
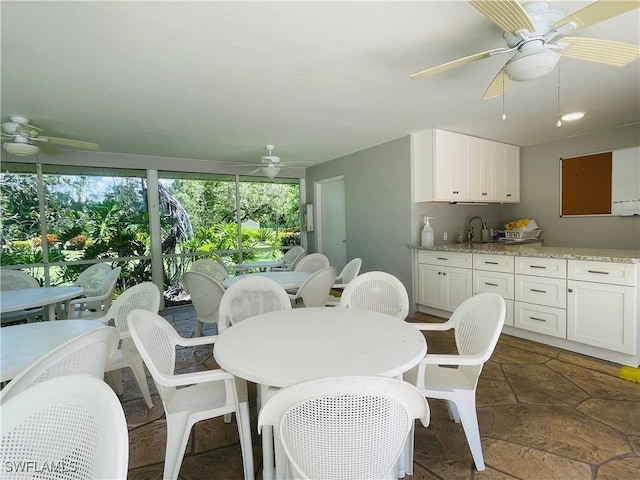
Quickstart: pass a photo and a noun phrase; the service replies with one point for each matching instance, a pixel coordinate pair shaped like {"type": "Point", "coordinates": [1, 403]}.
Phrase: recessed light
{"type": "Point", "coordinates": [568, 117]}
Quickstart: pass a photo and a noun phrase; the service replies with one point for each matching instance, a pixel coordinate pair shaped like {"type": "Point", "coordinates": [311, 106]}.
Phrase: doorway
{"type": "Point", "coordinates": [331, 222]}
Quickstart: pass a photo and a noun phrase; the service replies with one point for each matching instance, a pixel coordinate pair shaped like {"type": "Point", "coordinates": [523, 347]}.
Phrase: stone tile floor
{"type": "Point", "coordinates": [544, 414]}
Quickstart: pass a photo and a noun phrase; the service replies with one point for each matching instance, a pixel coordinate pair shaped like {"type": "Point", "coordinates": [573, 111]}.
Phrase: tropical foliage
{"type": "Point", "coordinates": [91, 217]}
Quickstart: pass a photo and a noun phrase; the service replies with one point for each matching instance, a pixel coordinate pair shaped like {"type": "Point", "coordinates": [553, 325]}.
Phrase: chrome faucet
{"type": "Point", "coordinates": [469, 228]}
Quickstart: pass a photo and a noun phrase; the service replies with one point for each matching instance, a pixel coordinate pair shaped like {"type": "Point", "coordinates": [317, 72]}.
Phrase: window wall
{"type": "Point", "coordinates": [236, 218]}
{"type": "Point", "coordinates": [89, 214]}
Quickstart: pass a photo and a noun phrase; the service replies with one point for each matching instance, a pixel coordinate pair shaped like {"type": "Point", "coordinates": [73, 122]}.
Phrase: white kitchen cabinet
{"type": "Point", "coordinates": [602, 305]}
{"type": "Point", "coordinates": [494, 273]}
{"type": "Point", "coordinates": [443, 279]}
{"type": "Point", "coordinates": [452, 167]}
{"type": "Point", "coordinates": [506, 173]}
{"type": "Point", "coordinates": [541, 319]}
{"type": "Point", "coordinates": [452, 171]}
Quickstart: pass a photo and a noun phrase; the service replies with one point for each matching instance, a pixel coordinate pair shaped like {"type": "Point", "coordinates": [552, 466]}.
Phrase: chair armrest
{"type": "Point", "coordinates": [195, 377]}
{"type": "Point", "coordinates": [432, 326]}
{"type": "Point", "coordinates": [444, 359]}
{"type": "Point", "coordinates": [194, 342]}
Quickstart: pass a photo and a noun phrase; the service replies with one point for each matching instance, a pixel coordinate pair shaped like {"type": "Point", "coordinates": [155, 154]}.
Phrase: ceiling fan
{"type": "Point", "coordinates": [537, 35]}
{"type": "Point", "coordinates": [271, 164]}
{"type": "Point", "coordinates": [22, 139]}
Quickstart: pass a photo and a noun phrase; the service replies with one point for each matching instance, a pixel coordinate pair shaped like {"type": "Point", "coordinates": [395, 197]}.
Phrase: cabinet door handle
{"type": "Point", "coordinates": [537, 291]}
{"type": "Point", "coordinates": [537, 319]}
{"type": "Point", "coordinates": [443, 258]}
{"type": "Point", "coordinates": [537, 266]}
{"type": "Point", "coordinates": [491, 284]}
{"type": "Point", "coordinates": [570, 290]}
{"type": "Point", "coordinates": [508, 194]}
{"type": "Point", "coordinates": [598, 272]}
{"type": "Point", "coordinates": [491, 263]}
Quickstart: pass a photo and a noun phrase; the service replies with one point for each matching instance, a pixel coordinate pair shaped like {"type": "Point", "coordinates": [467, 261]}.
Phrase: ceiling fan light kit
{"type": "Point", "coordinates": [21, 149]}
{"type": "Point", "coordinates": [529, 65]}
{"type": "Point", "coordinates": [271, 171]}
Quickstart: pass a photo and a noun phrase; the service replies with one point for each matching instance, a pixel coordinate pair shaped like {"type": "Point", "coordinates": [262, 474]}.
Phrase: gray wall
{"type": "Point", "coordinates": [540, 193]}
{"type": "Point", "coordinates": [378, 206]}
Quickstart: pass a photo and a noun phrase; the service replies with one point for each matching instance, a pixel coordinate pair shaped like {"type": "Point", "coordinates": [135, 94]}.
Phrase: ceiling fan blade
{"type": "Point", "coordinates": [69, 142]}
{"type": "Point", "coordinates": [616, 54]}
{"type": "Point", "coordinates": [48, 149]}
{"type": "Point", "coordinates": [507, 14]}
{"type": "Point", "coordinates": [456, 63]}
{"type": "Point", "coordinates": [255, 171]}
{"type": "Point", "coordinates": [28, 130]}
{"type": "Point", "coordinates": [597, 12]}
{"type": "Point", "coordinates": [498, 85]}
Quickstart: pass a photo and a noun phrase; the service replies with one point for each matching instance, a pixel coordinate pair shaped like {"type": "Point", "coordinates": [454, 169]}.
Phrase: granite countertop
{"type": "Point", "coordinates": [536, 250]}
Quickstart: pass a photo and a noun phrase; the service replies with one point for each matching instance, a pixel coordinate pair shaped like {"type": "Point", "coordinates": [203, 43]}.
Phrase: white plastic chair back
{"type": "Point", "coordinates": [343, 427]}
{"type": "Point", "coordinates": [312, 263]}
{"type": "Point", "coordinates": [349, 272]}
{"type": "Point", "coordinates": [100, 298]}
{"type": "Point", "coordinates": [87, 353]}
{"type": "Point", "coordinates": [376, 291]}
{"type": "Point", "coordinates": [477, 322]}
{"type": "Point", "coordinates": [74, 422]}
{"type": "Point", "coordinates": [206, 294]}
{"type": "Point", "coordinates": [314, 290]}
{"type": "Point", "coordinates": [92, 278]}
{"type": "Point", "coordinates": [211, 268]}
{"type": "Point", "coordinates": [251, 296]}
{"type": "Point", "coordinates": [206, 394]}
{"type": "Point", "coordinates": [290, 258]}
{"type": "Point", "coordinates": [17, 280]}
{"type": "Point", "coordinates": [145, 296]}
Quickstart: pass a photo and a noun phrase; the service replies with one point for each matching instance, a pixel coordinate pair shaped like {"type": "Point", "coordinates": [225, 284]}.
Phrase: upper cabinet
{"type": "Point", "coordinates": [452, 167]}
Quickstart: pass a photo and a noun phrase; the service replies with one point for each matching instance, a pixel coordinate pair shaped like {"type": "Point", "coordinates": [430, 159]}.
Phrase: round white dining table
{"type": "Point", "coordinates": [12, 300]}
{"type": "Point", "coordinates": [21, 345]}
{"type": "Point", "coordinates": [285, 347]}
{"type": "Point", "coordinates": [261, 265]}
{"type": "Point", "coordinates": [286, 279]}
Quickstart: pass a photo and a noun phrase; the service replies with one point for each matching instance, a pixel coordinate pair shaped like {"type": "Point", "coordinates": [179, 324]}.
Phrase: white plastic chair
{"type": "Point", "coordinates": [312, 263]}
{"type": "Point", "coordinates": [376, 291]}
{"type": "Point", "coordinates": [210, 267]}
{"type": "Point", "coordinates": [343, 427]}
{"type": "Point", "coordinates": [92, 277]}
{"type": "Point", "coordinates": [290, 258]}
{"type": "Point", "coordinates": [87, 353]}
{"type": "Point", "coordinates": [206, 394]}
{"type": "Point", "coordinates": [17, 280]}
{"type": "Point", "coordinates": [74, 423]}
{"type": "Point", "coordinates": [477, 323]}
{"type": "Point", "coordinates": [314, 290]}
{"type": "Point", "coordinates": [98, 301]}
{"type": "Point", "coordinates": [145, 296]}
{"type": "Point", "coordinates": [251, 296]}
{"type": "Point", "coordinates": [348, 273]}
{"type": "Point", "coordinates": [206, 294]}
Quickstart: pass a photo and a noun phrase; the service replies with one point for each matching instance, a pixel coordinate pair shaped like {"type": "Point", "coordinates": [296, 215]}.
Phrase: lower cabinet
{"type": "Point", "coordinates": [601, 314]}
{"type": "Point", "coordinates": [444, 279]}
{"type": "Point", "coordinates": [590, 307]}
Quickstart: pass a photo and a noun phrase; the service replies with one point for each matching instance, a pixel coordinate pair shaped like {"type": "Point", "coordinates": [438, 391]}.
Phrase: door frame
{"type": "Point", "coordinates": [317, 199]}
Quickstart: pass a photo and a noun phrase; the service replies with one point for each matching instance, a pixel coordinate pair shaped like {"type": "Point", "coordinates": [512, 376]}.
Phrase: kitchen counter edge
{"type": "Point", "coordinates": [570, 253]}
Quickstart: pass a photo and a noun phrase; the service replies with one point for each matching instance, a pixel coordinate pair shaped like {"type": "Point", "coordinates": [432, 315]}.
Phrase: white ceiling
{"type": "Point", "coordinates": [219, 80]}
